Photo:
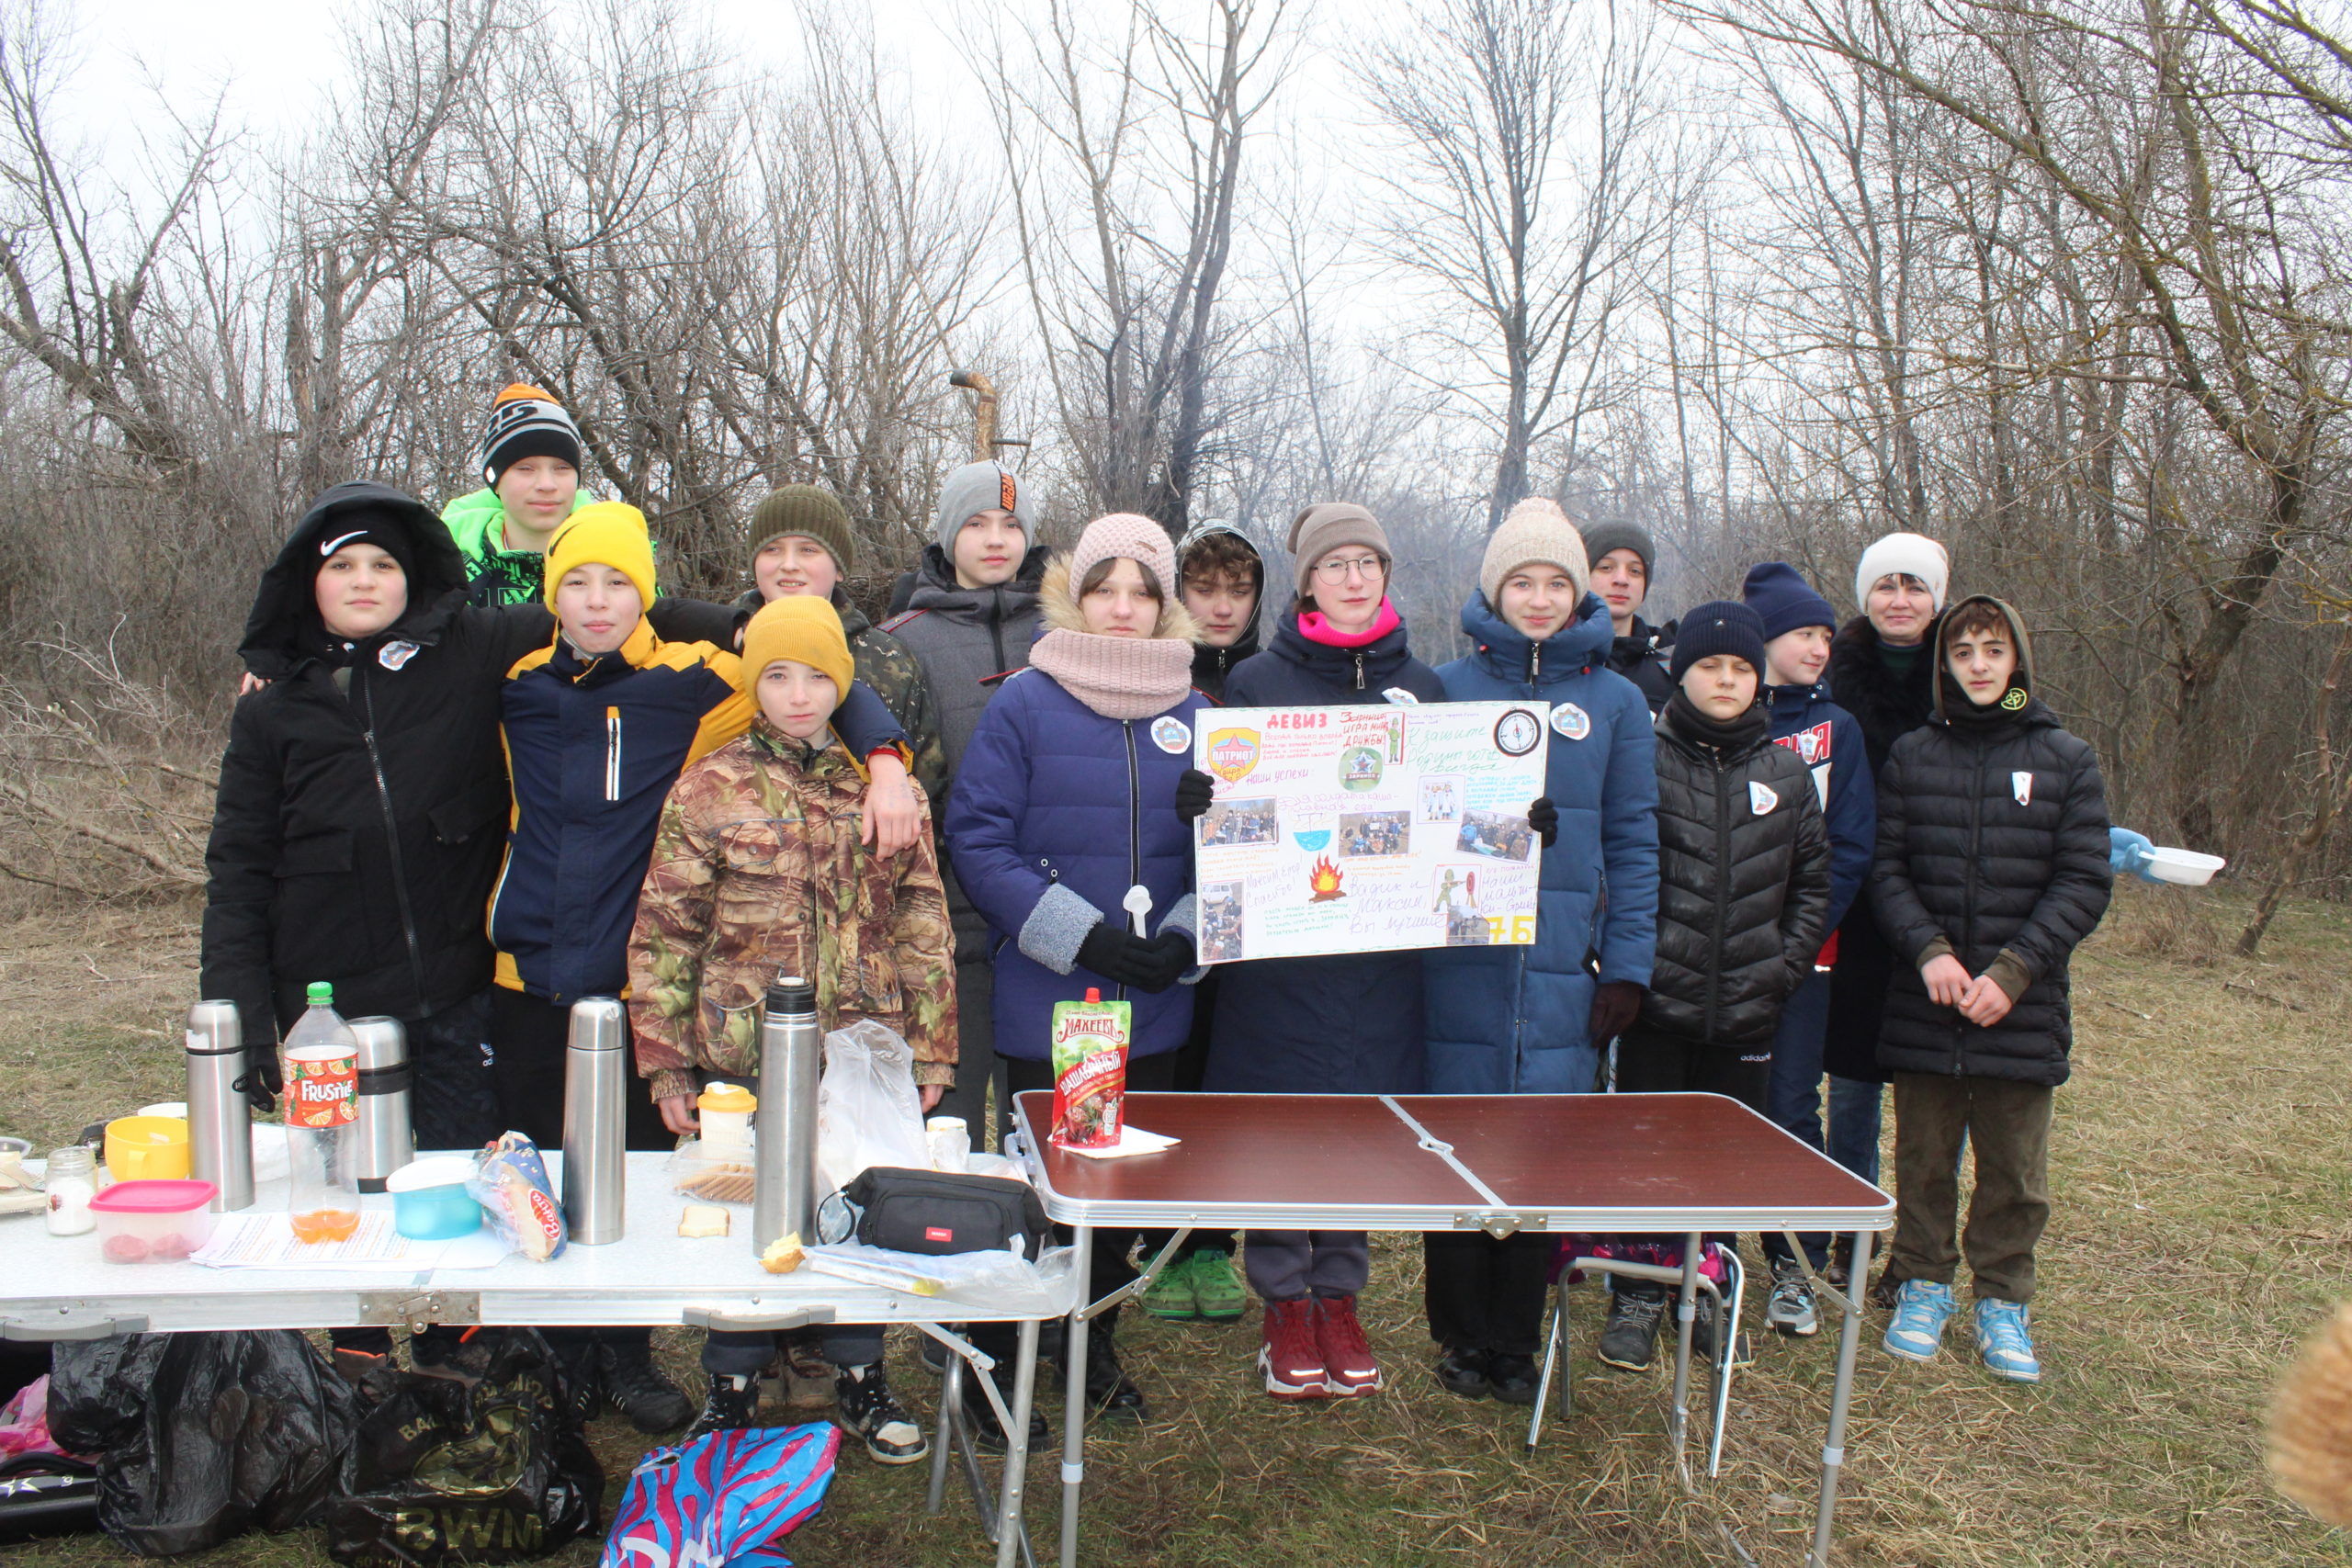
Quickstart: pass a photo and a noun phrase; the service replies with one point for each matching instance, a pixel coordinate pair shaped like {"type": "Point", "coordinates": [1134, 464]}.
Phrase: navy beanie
{"type": "Point", "coordinates": [1784, 601]}
{"type": "Point", "coordinates": [1720, 625]}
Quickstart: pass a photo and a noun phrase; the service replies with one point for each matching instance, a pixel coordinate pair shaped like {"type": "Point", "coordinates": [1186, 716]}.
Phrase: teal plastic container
{"type": "Point", "coordinates": [429, 1199]}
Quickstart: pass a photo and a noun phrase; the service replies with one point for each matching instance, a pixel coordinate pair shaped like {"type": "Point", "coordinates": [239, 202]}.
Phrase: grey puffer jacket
{"type": "Point", "coordinates": [967, 640]}
{"type": "Point", "coordinates": [1743, 878]}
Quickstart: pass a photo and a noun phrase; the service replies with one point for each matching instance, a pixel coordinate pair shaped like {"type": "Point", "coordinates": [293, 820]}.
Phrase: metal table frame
{"type": "Point", "coordinates": [58, 1288]}
{"type": "Point", "coordinates": [1478, 1207]}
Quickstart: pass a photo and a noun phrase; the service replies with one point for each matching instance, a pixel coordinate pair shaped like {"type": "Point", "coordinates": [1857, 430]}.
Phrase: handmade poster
{"type": "Point", "coordinates": [1366, 830]}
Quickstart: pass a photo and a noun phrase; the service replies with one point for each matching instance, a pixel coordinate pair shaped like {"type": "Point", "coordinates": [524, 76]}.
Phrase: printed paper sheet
{"type": "Point", "coordinates": [1366, 830]}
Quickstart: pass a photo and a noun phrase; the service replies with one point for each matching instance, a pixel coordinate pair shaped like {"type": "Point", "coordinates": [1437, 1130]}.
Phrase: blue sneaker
{"type": "Point", "coordinates": [1922, 1307]}
{"type": "Point", "coordinates": [2002, 1340]}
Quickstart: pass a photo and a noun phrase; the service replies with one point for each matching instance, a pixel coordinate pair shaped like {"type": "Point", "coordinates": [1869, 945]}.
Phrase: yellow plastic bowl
{"type": "Point", "coordinates": [147, 1149]}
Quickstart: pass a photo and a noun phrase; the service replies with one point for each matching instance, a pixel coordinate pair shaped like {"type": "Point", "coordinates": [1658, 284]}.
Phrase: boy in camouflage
{"type": "Point", "coordinates": [758, 869]}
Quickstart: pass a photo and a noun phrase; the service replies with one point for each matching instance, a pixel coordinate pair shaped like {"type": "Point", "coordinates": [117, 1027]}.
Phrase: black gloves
{"type": "Point", "coordinates": [1615, 1005]}
{"type": "Point", "coordinates": [1148, 964]}
{"type": "Point", "coordinates": [1193, 791]}
{"type": "Point", "coordinates": [1544, 817]}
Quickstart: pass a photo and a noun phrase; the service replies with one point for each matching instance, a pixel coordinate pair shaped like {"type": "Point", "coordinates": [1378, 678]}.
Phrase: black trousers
{"type": "Point", "coordinates": [1485, 1293]}
{"type": "Point", "coordinates": [528, 1036]}
{"type": "Point", "coordinates": [1651, 1061]}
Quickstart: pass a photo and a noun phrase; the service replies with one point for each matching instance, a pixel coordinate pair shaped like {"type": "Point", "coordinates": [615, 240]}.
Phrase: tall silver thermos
{"type": "Point", "coordinates": [387, 1139]}
{"type": "Point", "coordinates": [783, 1148]}
{"type": "Point", "coordinates": [219, 1125]}
{"type": "Point", "coordinates": [596, 1078]}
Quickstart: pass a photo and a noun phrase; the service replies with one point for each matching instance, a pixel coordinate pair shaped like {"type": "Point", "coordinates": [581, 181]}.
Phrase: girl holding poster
{"type": "Point", "coordinates": [1342, 1024]}
{"type": "Point", "coordinates": [1534, 1020]}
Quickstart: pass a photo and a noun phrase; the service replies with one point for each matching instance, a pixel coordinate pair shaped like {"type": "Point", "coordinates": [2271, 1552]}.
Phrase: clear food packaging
{"type": "Point", "coordinates": [152, 1221]}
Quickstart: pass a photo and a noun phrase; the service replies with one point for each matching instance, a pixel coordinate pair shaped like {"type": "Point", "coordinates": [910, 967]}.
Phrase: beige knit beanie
{"type": "Point", "coordinates": [1534, 530]}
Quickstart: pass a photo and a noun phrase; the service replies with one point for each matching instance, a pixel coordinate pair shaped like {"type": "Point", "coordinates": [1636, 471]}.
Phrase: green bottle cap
{"type": "Point", "coordinates": [321, 994]}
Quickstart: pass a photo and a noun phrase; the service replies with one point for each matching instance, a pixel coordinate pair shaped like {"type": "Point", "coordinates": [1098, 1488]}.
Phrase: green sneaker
{"type": "Point", "coordinates": [1170, 1295]}
{"type": "Point", "coordinates": [1217, 1288]}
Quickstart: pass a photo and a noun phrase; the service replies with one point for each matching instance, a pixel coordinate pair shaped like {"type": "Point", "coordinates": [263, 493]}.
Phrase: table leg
{"type": "Point", "coordinates": [1686, 1312]}
{"type": "Point", "coordinates": [1833, 1452]}
{"type": "Point", "coordinates": [1009, 1529]}
{"type": "Point", "coordinates": [951, 1398]}
{"type": "Point", "coordinates": [1074, 1396]}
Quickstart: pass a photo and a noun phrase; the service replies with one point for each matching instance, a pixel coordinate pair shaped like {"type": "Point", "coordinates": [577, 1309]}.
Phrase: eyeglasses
{"type": "Point", "coordinates": [1335, 572]}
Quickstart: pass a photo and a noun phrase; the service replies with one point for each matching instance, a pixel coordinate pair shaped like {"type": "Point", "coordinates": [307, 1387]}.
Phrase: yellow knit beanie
{"type": "Point", "coordinates": [802, 627]}
{"type": "Point", "coordinates": [606, 533]}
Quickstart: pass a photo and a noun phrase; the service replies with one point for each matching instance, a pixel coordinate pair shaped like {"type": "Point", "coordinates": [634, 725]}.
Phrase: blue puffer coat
{"type": "Point", "coordinates": [1055, 813]}
{"type": "Point", "coordinates": [1338, 1024]}
{"type": "Point", "coordinates": [1516, 1019]}
{"type": "Point", "coordinates": [1828, 741]}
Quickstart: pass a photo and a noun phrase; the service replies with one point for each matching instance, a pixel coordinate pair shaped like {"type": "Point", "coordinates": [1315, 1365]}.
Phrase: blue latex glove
{"type": "Point", "coordinates": [2127, 851]}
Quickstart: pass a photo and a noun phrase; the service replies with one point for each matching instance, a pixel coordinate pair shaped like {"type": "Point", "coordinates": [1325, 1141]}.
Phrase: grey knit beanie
{"type": "Point", "coordinates": [1599, 538]}
{"type": "Point", "coordinates": [1319, 529]}
{"type": "Point", "coordinates": [980, 486]}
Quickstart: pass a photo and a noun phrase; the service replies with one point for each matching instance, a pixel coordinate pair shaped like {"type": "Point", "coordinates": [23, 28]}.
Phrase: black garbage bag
{"type": "Point", "coordinates": [494, 1472]}
{"type": "Point", "coordinates": [201, 1436]}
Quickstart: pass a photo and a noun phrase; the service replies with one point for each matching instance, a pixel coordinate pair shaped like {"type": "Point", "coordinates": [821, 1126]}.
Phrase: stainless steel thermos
{"type": "Point", "coordinates": [386, 1139]}
{"type": "Point", "coordinates": [219, 1127]}
{"type": "Point", "coordinates": [784, 1144]}
{"type": "Point", "coordinates": [595, 1077]}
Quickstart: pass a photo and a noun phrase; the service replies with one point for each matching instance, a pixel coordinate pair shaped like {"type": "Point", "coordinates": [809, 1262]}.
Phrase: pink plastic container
{"type": "Point", "coordinates": [152, 1221]}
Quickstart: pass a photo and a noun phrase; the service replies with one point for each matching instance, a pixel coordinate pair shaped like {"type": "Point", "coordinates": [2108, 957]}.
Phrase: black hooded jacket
{"type": "Point", "coordinates": [1888, 706]}
{"type": "Point", "coordinates": [1641, 659]}
{"type": "Point", "coordinates": [363, 800]}
{"type": "Point", "coordinates": [1211, 666]}
{"type": "Point", "coordinates": [1992, 845]}
{"type": "Point", "coordinates": [1743, 879]}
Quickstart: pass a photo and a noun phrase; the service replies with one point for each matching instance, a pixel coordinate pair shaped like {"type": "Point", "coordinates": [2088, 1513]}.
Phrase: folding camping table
{"type": "Point", "coordinates": [59, 1287]}
{"type": "Point", "coordinates": [1685, 1164]}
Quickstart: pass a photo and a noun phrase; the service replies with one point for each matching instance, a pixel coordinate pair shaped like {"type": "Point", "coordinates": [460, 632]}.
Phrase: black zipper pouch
{"type": "Point", "coordinates": [937, 1212]}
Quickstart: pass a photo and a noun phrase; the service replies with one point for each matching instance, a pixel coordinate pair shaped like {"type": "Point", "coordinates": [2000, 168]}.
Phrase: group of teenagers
{"type": "Point", "coordinates": [483, 770]}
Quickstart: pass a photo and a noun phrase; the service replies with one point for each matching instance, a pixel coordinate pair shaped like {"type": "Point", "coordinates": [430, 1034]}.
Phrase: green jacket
{"type": "Point", "coordinates": [495, 574]}
{"type": "Point", "coordinates": [885, 664]}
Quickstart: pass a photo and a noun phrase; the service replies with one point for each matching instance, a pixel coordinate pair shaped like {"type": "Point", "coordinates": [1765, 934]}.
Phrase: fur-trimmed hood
{"type": "Point", "coordinates": [1058, 607]}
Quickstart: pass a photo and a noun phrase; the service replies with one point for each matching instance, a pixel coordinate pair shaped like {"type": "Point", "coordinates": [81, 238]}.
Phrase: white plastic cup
{"type": "Point", "coordinates": [950, 1143]}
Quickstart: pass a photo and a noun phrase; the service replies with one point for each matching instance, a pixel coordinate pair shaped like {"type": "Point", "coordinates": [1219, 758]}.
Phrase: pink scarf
{"type": "Point", "coordinates": [1315, 628]}
{"type": "Point", "coordinates": [1118, 677]}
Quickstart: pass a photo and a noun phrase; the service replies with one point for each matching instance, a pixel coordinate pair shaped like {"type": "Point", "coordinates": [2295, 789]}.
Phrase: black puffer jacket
{"type": "Point", "coordinates": [1991, 838]}
{"type": "Point", "coordinates": [1743, 877]}
{"type": "Point", "coordinates": [1888, 705]}
{"type": "Point", "coordinates": [360, 820]}
{"type": "Point", "coordinates": [1641, 659]}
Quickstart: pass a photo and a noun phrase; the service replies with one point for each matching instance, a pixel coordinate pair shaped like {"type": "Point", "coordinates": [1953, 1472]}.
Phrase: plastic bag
{"type": "Point", "coordinates": [24, 1423]}
{"type": "Point", "coordinates": [723, 1499]}
{"type": "Point", "coordinates": [443, 1472]}
{"type": "Point", "coordinates": [510, 1181]}
{"type": "Point", "coordinates": [869, 1110]}
{"type": "Point", "coordinates": [200, 1437]}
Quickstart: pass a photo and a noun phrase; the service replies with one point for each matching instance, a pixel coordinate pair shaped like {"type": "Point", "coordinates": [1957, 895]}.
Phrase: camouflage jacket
{"type": "Point", "coordinates": [885, 664]}
{"type": "Point", "coordinates": [757, 870]}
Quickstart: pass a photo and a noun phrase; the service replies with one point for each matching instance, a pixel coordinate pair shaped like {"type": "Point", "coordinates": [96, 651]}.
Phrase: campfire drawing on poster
{"type": "Point", "coordinates": [1368, 829]}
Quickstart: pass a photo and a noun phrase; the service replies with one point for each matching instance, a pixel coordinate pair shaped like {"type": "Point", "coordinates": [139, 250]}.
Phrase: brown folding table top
{"type": "Point", "coordinates": [1567, 1162]}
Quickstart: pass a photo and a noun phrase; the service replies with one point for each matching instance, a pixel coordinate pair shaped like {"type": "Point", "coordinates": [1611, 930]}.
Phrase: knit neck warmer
{"type": "Point", "coordinates": [1315, 628]}
{"type": "Point", "coordinates": [1742, 729]}
{"type": "Point", "coordinates": [1962, 714]}
{"type": "Point", "coordinates": [1118, 677]}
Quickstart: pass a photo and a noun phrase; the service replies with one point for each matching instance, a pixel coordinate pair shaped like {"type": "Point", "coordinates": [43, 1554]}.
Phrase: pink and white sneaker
{"type": "Point", "coordinates": [1350, 1368]}
{"type": "Point", "coordinates": [1292, 1357]}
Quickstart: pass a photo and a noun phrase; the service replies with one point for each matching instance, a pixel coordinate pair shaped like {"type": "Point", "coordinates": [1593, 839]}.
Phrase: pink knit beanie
{"type": "Point", "coordinates": [1127, 533]}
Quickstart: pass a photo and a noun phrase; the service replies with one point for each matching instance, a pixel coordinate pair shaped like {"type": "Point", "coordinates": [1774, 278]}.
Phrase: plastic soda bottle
{"type": "Point", "coordinates": [323, 1121]}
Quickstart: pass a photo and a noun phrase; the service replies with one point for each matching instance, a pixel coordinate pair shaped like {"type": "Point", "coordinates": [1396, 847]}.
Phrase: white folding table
{"type": "Point", "coordinates": [1684, 1164]}
{"type": "Point", "coordinates": [55, 1287]}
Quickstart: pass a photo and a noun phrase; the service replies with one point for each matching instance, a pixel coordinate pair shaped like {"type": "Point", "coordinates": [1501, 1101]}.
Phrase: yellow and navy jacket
{"type": "Point", "coordinates": [593, 743]}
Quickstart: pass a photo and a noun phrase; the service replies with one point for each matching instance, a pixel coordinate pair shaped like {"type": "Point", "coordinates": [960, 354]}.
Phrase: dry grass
{"type": "Point", "coordinates": [2204, 1225]}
